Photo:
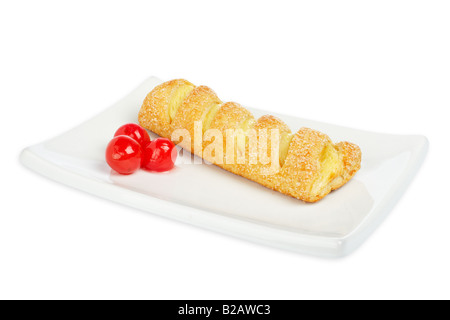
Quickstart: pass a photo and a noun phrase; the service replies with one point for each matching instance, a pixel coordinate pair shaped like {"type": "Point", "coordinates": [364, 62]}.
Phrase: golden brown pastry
{"type": "Point", "coordinates": [305, 165]}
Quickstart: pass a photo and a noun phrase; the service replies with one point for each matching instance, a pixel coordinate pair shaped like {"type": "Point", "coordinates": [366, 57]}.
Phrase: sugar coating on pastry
{"type": "Point", "coordinates": [306, 165]}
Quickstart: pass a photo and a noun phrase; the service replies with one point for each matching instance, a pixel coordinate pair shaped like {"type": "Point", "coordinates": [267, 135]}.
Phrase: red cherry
{"type": "Point", "coordinates": [159, 155]}
{"type": "Point", "coordinates": [124, 154]}
{"type": "Point", "coordinates": [135, 132]}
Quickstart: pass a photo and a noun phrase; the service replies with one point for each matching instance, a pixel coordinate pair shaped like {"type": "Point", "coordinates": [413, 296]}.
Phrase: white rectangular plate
{"type": "Point", "coordinates": [207, 196]}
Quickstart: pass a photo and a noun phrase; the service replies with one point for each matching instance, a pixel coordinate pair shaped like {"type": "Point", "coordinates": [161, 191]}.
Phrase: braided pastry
{"type": "Point", "coordinates": [305, 165]}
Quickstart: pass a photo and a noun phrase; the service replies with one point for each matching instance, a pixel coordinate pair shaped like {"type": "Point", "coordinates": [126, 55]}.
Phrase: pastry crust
{"type": "Point", "coordinates": [196, 106]}
{"type": "Point", "coordinates": [155, 110]}
{"type": "Point", "coordinates": [306, 165]}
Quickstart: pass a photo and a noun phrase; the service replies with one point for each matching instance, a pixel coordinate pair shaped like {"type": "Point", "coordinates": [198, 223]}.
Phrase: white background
{"type": "Point", "coordinates": [377, 65]}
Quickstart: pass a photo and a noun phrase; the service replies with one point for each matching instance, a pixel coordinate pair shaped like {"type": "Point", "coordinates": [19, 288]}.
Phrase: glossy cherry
{"type": "Point", "coordinates": [159, 155]}
{"type": "Point", "coordinates": [124, 154]}
{"type": "Point", "coordinates": [134, 131]}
